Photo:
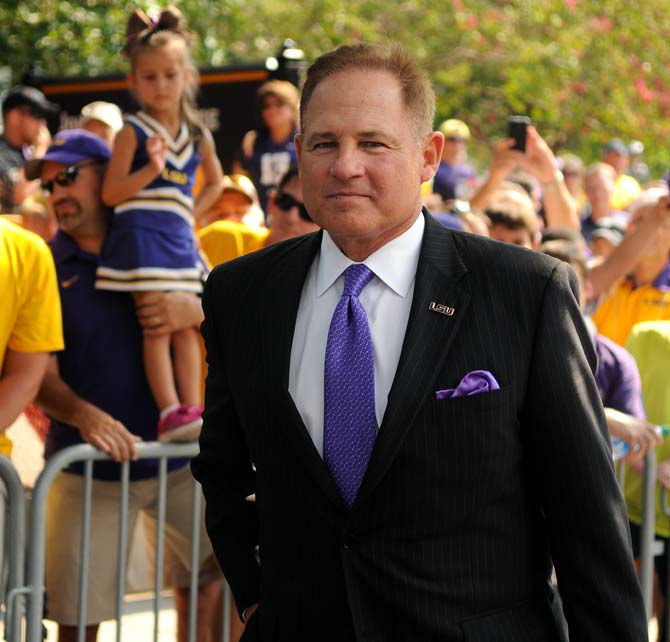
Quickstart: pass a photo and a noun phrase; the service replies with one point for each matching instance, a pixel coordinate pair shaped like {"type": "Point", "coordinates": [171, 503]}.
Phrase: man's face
{"type": "Point", "coordinates": [455, 149]}
{"type": "Point", "coordinates": [287, 224]}
{"type": "Point", "coordinates": [99, 128]}
{"type": "Point", "coordinates": [360, 160]}
{"type": "Point", "coordinates": [598, 188]}
{"type": "Point", "coordinates": [29, 124]}
{"type": "Point", "coordinates": [230, 205]}
{"type": "Point", "coordinates": [519, 236]}
{"type": "Point", "coordinates": [616, 160]}
{"type": "Point", "coordinates": [77, 206]}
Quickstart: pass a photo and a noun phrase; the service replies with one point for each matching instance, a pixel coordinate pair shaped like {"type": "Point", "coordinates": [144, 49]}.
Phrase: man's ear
{"type": "Point", "coordinates": [432, 155]}
{"type": "Point", "coordinates": [537, 241]}
{"type": "Point", "coordinates": [297, 140]}
{"type": "Point", "coordinates": [587, 294]}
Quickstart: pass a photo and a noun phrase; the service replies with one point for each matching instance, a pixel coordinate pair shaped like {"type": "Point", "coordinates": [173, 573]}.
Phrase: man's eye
{"type": "Point", "coordinates": [326, 144]}
{"type": "Point", "coordinates": [371, 143]}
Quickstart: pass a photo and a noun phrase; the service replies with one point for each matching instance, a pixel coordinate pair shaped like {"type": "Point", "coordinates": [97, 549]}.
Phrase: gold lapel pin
{"type": "Point", "coordinates": [441, 308]}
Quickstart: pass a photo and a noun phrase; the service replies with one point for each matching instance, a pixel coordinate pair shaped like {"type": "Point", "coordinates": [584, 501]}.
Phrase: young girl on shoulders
{"type": "Point", "coordinates": [149, 182]}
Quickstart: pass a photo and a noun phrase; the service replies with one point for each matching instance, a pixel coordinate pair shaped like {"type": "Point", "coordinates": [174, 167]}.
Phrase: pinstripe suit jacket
{"type": "Point", "coordinates": [465, 501]}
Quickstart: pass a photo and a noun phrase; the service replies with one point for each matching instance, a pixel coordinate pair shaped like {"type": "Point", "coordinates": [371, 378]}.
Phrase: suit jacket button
{"type": "Point", "coordinates": [349, 541]}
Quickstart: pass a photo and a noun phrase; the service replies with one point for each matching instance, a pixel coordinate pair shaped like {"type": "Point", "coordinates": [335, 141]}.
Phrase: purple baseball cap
{"type": "Point", "coordinates": [68, 147]}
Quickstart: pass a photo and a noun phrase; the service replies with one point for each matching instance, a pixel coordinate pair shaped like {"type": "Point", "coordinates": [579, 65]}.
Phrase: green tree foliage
{"type": "Point", "coordinates": [584, 70]}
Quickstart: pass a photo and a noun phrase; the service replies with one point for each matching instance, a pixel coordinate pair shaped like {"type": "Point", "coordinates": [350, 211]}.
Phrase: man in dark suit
{"type": "Point", "coordinates": [392, 502]}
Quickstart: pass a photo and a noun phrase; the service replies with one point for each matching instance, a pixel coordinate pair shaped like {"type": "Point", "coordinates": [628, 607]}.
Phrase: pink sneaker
{"type": "Point", "coordinates": [182, 424]}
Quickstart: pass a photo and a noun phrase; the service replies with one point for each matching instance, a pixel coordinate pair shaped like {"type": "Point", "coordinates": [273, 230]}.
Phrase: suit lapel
{"type": "Point", "coordinates": [428, 338]}
{"type": "Point", "coordinates": [284, 288]}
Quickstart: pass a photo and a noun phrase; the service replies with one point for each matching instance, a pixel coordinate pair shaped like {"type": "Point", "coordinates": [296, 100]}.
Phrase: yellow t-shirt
{"type": "Point", "coordinates": [30, 314]}
{"type": "Point", "coordinates": [626, 306]}
{"type": "Point", "coordinates": [225, 240]}
{"type": "Point", "coordinates": [626, 190]}
{"type": "Point", "coordinates": [649, 343]}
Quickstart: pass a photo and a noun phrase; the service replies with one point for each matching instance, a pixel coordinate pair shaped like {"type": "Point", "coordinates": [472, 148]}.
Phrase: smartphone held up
{"type": "Point", "coordinates": [516, 129]}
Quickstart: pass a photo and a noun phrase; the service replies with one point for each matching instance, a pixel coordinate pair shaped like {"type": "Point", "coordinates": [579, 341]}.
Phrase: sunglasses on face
{"type": "Point", "coordinates": [285, 202]}
{"type": "Point", "coordinates": [65, 177]}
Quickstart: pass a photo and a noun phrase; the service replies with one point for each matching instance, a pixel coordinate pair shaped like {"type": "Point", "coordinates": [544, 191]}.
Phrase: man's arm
{"type": "Point", "coordinates": [503, 161]}
{"type": "Point", "coordinates": [539, 160]}
{"type": "Point", "coordinates": [167, 312]}
{"type": "Point", "coordinates": [569, 457]}
{"type": "Point", "coordinates": [21, 377]}
{"type": "Point", "coordinates": [633, 431]}
{"type": "Point", "coordinates": [628, 252]}
{"type": "Point", "coordinates": [95, 426]}
{"type": "Point", "coordinates": [224, 466]}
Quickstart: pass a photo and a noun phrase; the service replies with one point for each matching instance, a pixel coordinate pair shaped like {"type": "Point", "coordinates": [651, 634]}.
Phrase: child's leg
{"type": "Point", "coordinates": [187, 365]}
{"type": "Point", "coordinates": [158, 366]}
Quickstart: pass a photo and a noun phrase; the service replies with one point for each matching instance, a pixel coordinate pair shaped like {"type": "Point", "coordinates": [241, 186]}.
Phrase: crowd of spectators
{"type": "Point", "coordinates": [608, 217]}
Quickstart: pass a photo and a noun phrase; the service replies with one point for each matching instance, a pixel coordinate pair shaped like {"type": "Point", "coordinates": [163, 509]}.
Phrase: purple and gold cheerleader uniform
{"type": "Point", "coordinates": [150, 241]}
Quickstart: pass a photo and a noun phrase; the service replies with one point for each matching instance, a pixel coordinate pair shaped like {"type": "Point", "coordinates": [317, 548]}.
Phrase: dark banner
{"type": "Point", "coordinates": [226, 101]}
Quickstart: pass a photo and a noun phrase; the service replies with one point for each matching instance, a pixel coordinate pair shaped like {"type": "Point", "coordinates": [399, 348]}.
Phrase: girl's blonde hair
{"type": "Point", "coordinates": [144, 34]}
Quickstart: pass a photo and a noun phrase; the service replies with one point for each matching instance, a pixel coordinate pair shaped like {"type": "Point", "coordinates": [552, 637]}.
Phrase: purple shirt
{"type": "Point", "coordinates": [268, 164]}
{"type": "Point", "coordinates": [618, 378]}
{"type": "Point", "coordinates": [102, 360]}
{"type": "Point", "coordinates": [450, 180]}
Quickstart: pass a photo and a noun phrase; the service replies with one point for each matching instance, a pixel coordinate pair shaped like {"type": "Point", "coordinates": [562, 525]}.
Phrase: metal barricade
{"type": "Point", "coordinates": [36, 558]}
{"type": "Point", "coordinates": [14, 537]}
{"type": "Point", "coordinates": [666, 511]}
{"type": "Point", "coordinates": [647, 530]}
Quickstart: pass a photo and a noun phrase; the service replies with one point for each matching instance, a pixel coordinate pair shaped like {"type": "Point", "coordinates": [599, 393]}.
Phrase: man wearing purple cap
{"type": "Point", "coordinates": [96, 391]}
{"type": "Point", "coordinates": [24, 113]}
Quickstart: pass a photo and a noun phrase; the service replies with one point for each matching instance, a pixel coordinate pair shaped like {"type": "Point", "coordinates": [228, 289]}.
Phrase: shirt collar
{"type": "Point", "coordinates": [64, 247]}
{"type": "Point", "coordinates": [394, 263]}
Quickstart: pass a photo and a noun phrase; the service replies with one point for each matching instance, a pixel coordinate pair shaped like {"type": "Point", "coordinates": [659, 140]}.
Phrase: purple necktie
{"type": "Point", "coordinates": [349, 421]}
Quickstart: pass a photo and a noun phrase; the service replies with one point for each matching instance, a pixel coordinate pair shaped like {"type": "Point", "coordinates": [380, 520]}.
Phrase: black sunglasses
{"type": "Point", "coordinates": [285, 202]}
{"type": "Point", "coordinates": [65, 177]}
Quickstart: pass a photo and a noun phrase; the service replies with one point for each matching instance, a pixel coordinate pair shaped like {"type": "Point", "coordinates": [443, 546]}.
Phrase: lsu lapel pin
{"type": "Point", "coordinates": [441, 308]}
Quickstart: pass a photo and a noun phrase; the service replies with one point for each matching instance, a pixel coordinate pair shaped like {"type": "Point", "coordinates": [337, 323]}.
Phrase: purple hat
{"type": "Point", "coordinates": [68, 147]}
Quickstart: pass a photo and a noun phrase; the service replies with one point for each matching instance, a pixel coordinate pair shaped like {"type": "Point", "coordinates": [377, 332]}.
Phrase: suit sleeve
{"type": "Point", "coordinates": [224, 466]}
{"type": "Point", "coordinates": [569, 456]}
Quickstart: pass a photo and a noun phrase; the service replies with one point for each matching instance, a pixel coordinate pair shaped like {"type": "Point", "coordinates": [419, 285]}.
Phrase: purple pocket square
{"type": "Point", "coordinates": [473, 383]}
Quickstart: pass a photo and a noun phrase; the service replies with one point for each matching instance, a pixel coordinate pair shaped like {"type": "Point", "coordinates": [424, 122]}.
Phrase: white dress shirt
{"type": "Point", "coordinates": [387, 300]}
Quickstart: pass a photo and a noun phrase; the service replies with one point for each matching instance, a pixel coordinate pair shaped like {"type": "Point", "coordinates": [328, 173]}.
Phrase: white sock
{"type": "Point", "coordinates": [166, 411]}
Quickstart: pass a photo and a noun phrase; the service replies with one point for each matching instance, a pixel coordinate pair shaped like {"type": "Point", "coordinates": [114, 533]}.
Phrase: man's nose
{"type": "Point", "coordinates": [57, 191]}
{"type": "Point", "coordinates": [348, 163]}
